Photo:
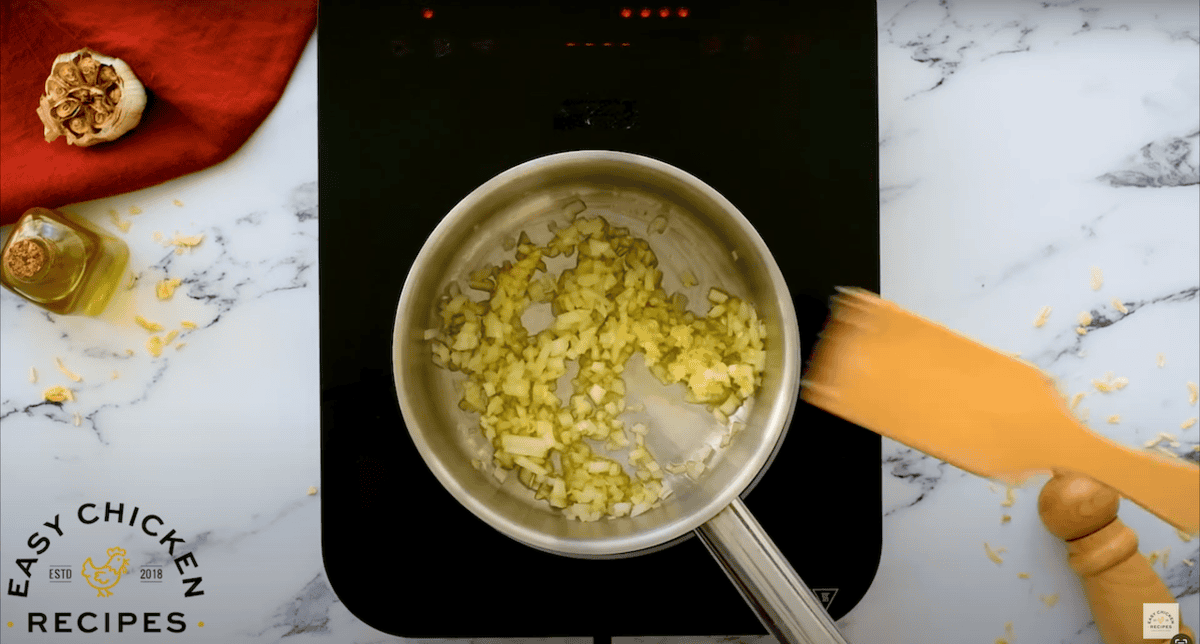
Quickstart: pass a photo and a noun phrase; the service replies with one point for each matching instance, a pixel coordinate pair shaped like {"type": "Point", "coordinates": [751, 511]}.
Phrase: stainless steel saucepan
{"type": "Point", "coordinates": [704, 234]}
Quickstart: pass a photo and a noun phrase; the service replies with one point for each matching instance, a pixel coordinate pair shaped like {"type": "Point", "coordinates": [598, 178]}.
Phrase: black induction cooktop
{"type": "Point", "coordinates": [773, 105]}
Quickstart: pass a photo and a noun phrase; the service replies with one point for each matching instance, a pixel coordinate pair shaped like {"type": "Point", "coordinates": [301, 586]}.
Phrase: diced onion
{"type": "Point", "coordinates": [607, 307]}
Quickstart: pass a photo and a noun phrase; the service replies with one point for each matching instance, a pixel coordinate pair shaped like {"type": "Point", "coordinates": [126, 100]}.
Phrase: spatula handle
{"type": "Point", "coordinates": [1117, 579]}
{"type": "Point", "coordinates": [1167, 488]}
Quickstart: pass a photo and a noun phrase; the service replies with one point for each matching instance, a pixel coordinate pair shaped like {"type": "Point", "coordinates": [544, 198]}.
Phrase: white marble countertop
{"type": "Point", "coordinates": [1021, 145]}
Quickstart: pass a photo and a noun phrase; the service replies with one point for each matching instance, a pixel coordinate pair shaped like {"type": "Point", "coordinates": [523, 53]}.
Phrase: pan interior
{"type": "Point", "coordinates": [703, 235]}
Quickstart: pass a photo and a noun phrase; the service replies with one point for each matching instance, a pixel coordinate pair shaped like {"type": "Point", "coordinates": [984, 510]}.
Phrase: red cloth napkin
{"type": "Point", "coordinates": [213, 70]}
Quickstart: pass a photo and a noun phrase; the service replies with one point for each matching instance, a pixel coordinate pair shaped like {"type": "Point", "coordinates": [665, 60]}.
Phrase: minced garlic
{"type": "Point", "coordinates": [1097, 278]}
{"type": "Point", "coordinates": [78, 420]}
{"type": "Point", "coordinates": [1023, 575]}
{"type": "Point", "coordinates": [1119, 306]}
{"type": "Point", "coordinates": [187, 324]}
{"type": "Point", "coordinates": [994, 555]}
{"type": "Point", "coordinates": [134, 210]}
{"type": "Point", "coordinates": [1075, 400]}
{"type": "Point", "coordinates": [1183, 536]}
{"type": "Point", "coordinates": [1157, 554]}
{"type": "Point", "coordinates": [1114, 419]}
{"type": "Point", "coordinates": [312, 489]}
{"type": "Point", "coordinates": [1193, 393]}
{"type": "Point", "coordinates": [1188, 423]}
{"type": "Point", "coordinates": [182, 243]}
{"type": "Point", "coordinates": [153, 327]}
{"type": "Point", "coordinates": [115, 217]}
{"type": "Point", "coordinates": [166, 288]}
{"type": "Point", "coordinates": [33, 375]}
{"type": "Point", "coordinates": [1085, 318]}
{"type": "Point", "coordinates": [154, 345]}
{"type": "Point", "coordinates": [58, 393]}
{"type": "Point", "coordinates": [1008, 498]}
{"type": "Point", "coordinates": [1042, 316]}
{"type": "Point", "coordinates": [1004, 518]}
{"type": "Point", "coordinates": [1109, 383]}
{"type": "Point", "coordinates": [178, 203]}
{"type": "Point", "coordinates": [1080, 330]}
{"type": "Point", "coordinates": [67, 372]}
{"type": "Point", "coordinates": [1049, 600]}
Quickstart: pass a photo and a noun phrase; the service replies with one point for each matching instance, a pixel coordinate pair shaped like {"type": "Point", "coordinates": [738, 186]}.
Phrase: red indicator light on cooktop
{"type": "Point", "coordinates": [427, 14]}
{"type": "Point", "coordinates": [682, 12]}
{"type": "Point", "coordinates": [626, 12]}
{"type": "Point", "coordinates": [664, 12]}
{"type": "Point", "coordinates": [645, 13]}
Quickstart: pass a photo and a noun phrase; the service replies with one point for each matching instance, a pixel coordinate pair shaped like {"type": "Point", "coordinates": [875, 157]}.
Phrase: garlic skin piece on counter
{"type": "Point", "coordinates": [90, 98]}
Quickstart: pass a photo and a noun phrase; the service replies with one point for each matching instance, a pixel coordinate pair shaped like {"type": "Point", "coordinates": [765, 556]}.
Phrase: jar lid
{"type": "Point", "coordinates": [25, 258]}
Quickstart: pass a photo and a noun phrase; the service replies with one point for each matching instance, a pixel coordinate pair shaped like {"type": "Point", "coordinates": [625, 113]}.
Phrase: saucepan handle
{"type": "Point", "coordinates": [784, 603]}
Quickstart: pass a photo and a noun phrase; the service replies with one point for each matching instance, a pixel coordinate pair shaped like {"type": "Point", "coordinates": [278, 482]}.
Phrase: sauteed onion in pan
{"type": "Point", "coordinates": [608, 306]}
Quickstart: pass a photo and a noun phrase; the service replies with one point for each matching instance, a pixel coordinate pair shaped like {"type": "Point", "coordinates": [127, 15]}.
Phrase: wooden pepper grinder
{"type": "Point", "coordinates": [1117, 579]}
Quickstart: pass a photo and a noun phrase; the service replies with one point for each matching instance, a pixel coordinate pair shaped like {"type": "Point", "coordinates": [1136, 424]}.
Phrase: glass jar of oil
{"type": "Point", "coordinates": [62, 263]}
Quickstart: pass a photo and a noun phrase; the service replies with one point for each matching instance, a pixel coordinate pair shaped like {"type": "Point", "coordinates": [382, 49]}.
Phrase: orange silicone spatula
{"type": "Point", "coordinates": [921, 384]}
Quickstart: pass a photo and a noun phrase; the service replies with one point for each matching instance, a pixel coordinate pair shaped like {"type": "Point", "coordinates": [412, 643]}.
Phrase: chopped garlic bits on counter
{"type": "Point", "coordinates": [154, 344]}
{"type": "Point", "coordinates": [610, 305]}
{"type": "Point", "coordinates": [1042, 316]}
{"type": "Point", "coordinates": [153, 327]}
{"type": "Point", "coordinates": [67, 372]}
{"type": "Point", "coordinates": [1193, 393]}
{"type": "Point", "coordinates": [58, 393]}
{"type": "Point", "coordinates": [1163, 554]}
{"type": "Point", "coordinates": [1075, 400]}
{"type": "Point", "coordinates": [166, 288]}
{"type": "Point", "coordinates": [1187, 424]}
{"type": "Point", "coordinates": [994, 555]}
{"type": "Point", "coordinates": [1109, 383]}
{"type": "Point", "coordinates": [1097, 278]}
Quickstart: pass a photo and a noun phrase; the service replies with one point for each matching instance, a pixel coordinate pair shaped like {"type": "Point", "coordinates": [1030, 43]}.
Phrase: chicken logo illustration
{"type": "Point", "coordinates": [103, 578]}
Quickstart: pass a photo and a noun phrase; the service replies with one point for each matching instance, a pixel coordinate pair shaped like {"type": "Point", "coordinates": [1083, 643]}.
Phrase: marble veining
{"type": "Point", "coordinates": [1174, 161]}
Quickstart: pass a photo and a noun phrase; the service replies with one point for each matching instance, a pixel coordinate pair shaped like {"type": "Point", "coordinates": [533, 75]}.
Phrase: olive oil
{"type": "Point", "coordinates": [62, 263]}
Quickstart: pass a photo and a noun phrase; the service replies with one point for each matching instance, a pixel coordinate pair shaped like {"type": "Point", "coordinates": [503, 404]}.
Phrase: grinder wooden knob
{"type": "Point", "coordinates": [1117, 579]}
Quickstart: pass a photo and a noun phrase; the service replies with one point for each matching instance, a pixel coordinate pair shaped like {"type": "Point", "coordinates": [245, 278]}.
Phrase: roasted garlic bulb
{"type": "Point", "coordinates": [90, 98]}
